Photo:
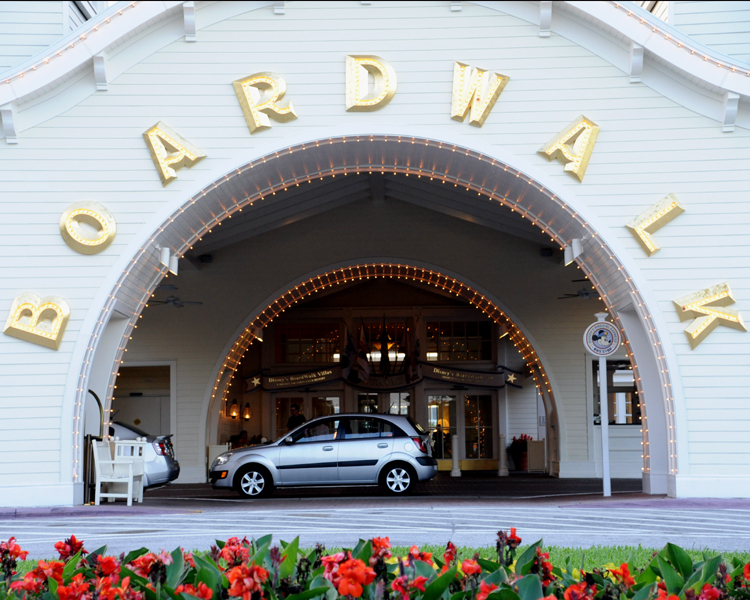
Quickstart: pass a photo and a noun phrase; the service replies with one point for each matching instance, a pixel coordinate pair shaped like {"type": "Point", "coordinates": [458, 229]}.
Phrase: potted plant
{"type": "Point", "coordinates": [518, 451]}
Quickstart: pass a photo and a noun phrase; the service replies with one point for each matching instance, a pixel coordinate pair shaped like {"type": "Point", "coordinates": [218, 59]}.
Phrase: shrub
{"type": "Point", "coordinates": [255, 570]}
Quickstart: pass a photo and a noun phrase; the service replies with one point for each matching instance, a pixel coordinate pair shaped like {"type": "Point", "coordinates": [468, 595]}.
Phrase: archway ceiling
{"type": "Point", "coordinates": [317, 197]}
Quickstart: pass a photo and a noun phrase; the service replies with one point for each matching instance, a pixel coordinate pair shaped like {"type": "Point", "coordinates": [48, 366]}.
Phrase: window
{"type": "Point", "coordinates": [307, 342]}
{"type": "Point", "coordinates": [441, 421]}
{"type": "Point", "coordinates": [396, 342]}
{"type": "Point", "coordinates": [459, 340]}
{"type": "Point", "coordinates": [322, 431]}
{"type": "Point", "coordinates": [360, 429]}
{"type": "Point", "coordinates": [623, 405]}
{"type": "Point", "coordinates": [367, 403]}
{"type": "Point", "coordinates": [478, 421]}
{"type": "Point", "coordinates": [399, 403]}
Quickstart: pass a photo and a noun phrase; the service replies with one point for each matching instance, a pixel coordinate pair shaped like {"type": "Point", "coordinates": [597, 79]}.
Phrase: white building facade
{"type": "Point", "coordinates": [473, 179]}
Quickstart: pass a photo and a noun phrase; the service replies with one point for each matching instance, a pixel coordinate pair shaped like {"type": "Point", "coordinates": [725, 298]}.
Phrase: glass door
{"type": "Point", "coordinates": [442, 425]}
{"type": "Point", "coordinates": [478, 426]}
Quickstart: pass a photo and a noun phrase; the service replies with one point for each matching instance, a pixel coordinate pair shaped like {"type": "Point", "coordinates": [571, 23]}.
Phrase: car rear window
{"type": "Point", "coordinates": [419, 429]}
{"type": "Point", "coordinates": [368, 427]}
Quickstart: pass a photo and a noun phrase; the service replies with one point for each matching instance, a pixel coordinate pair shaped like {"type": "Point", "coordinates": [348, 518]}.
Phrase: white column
{"type": "Point", "coordinates": [604, 413]}
{"type": "Point", "coordinates": [455, 470]}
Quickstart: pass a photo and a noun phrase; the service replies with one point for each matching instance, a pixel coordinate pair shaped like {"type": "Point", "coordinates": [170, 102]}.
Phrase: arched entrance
{"type": "Point", "coordinates": [430, 278]}
{"type": "Point", "coordinates": [474, 175]}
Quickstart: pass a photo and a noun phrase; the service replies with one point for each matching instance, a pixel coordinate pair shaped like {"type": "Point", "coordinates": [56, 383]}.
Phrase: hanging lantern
{"type": "Point", "coordinates": [234, 410]}
{"type": "Point", "coordinates": [246, 414]}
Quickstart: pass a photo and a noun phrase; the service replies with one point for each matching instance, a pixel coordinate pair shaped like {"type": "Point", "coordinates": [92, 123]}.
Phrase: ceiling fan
{"type": "Point", "coordinates": [174, 301]}
{"type": "Point", "coordinates": [582, 293]}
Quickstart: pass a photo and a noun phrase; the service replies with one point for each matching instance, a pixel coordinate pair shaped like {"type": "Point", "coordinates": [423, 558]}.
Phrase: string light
{"type": "Point", "coordinates": [58, 53]}
{"type": "Point", "coordinates": [669, 38]}
{"type": "Point", "coordinates": [257, 185]}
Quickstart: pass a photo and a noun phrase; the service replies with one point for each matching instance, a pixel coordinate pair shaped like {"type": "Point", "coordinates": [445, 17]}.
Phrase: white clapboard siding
{"type": "Point", "coordinates": [721, 25]}
{"type": "Point", "coordinates": [649, 146]}
{"type": "Point", "coordinates": [27, 28]}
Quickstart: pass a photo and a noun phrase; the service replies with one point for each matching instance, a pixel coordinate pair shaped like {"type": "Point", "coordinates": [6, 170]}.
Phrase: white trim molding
{"type": "Point", "coordinates": [636, 62]}
{"type": "Point", "coordinates": [731, 104]}
{"type": "Point", "coordinates": [7, 115]}
{"type": "Point", "coordinates": [188, 16]}
{"type": "Point", "coordinates": [545, 18]}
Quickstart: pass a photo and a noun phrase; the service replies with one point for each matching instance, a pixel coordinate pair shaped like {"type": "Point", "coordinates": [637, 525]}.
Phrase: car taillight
{"type": "Point", "coordinates": [160, 448]}
{"type": "Point", "coordinates": [420, 444]}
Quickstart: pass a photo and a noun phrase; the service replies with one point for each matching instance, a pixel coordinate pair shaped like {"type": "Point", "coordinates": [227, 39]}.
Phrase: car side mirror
{"type": "Point", "coordinates": [289, 440]}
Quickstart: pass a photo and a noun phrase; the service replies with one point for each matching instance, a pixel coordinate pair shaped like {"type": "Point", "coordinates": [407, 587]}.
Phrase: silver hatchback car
{"type": "Point", "coordinates": [348, 449]}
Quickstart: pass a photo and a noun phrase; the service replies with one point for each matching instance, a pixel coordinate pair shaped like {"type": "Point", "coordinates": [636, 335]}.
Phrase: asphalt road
{"type": "Point", "coordinates": [628, 519]}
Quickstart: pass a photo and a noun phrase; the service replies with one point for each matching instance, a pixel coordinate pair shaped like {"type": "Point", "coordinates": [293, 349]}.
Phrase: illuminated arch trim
{"type": "Point", "coordinates": [491, 178]}
{"type": "Point", "coordinates": [375, 271]}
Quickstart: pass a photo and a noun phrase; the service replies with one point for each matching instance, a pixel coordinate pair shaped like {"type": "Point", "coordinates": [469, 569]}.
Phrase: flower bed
{"type": "Point", "coordinates": [255, 570]}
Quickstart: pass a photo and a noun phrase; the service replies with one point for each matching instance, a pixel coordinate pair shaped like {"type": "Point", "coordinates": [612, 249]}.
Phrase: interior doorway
{"type": "Point", "coordinates": [143, 398]}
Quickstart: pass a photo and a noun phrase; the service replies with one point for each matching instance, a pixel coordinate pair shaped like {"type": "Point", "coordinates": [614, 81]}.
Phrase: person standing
{"type": "Point", "coordinates": [296, 418]}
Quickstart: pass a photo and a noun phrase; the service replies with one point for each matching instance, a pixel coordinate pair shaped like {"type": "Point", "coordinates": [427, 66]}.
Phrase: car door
{"type": "Point", "coordinates": [366, 443]}
{"type": "Point", "coordinates": [312, 456]}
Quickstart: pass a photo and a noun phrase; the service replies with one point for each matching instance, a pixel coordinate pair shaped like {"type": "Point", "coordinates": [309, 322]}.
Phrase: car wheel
{"type": "Point", "coordinates": [398, 479]}
{"type": "Point", "coordinates": [254, 481]}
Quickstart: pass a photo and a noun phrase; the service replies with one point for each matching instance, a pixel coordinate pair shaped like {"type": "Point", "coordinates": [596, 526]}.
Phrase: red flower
{"type": "Point", "coordinates": [381, 548]}
{"type": "Point", "coordinates": [142, 565]}
{"type": "Point", "coordinates": [235, 552]}
{"type": "Point", "coordinates": [746, 570]}
{"type": "Point", "coordinates": [485, 590]}
{"type": "Point", "coordinates": [70, 548]}
{"type": "Point", "coordinates": [450, 553]}
{"type": "Point", "coordinates": [331, 564]}
{"type": "Point", "coordinates": [202, 591]}
{"type": "Point", "coordinates": [188, 558]}
{"type": "Point", "coordinates": [401, 586]}
{"type": "Point", "coordinates": [353, 574]}
{"type": "Point", "coordinates": [622, 575]}
{"type": "Point", "coordinates": [580, 591]}
{"type": "Point", "coordinates": [418, 583]}
{"type": "Point", "coordinates": [415, 554]}
{"type": "Point", "coordinates": [76, 590]}
{"type": "Point", "coordinates": [49, 570]}
{"type": "Point", "coordinates": [709, 593]}
{"type": "Point", "coordinates": [245, 580]}
{"type": "Point", "coordinates": [108, 566]}
{"type": "Point", "coordinates": [29, 584]}
{"type": "Point", "coordinates": [513, 540]}
{"type": "Point", "coordinates": [125, 592]}
{"type": "Point", "coordinates": [470, 567]}
{"type": "Point", "coordinates": [12, 550]}
{"type": "Point", "coordinates": [544, 567]}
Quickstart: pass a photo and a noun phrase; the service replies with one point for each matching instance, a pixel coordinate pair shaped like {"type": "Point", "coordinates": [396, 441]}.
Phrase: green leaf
{"type": "Point", "coordinates": [488, 565]}
{"type": "Point", "coordinates": [286, 568]}
{"type": "Point", "coordinates": [259, 557]}
{"type": "Point", "coordinates": [529, 588]}
{"type": "Point", "coordinates": [211, 578]}
{"type": "Point", "coordinates": [264, 540]}
{"type": "Point", "coordinates": [680, 559]}
{"type": "Point", "coordinates": [504, 594]}
{"type": "Point", "coordinates": [131, 556]}
{"type": "Point", "coordinates": [91, 558]}
{"type": "Point", "coordinates": [709, 570]}
{"type": "Point", "coordinates": [497, 577]}
{"type": "Point", "coordinates": [365, 552]}
{"type": "Point", "coordinates": [672, 580]}
{"type": "Point", "coordinates": [311, 593]}
{"type": "Point", "coordinates": [644, 592]}
{"type": "Point", "coordinates": [693, 582]}
{"type": "Point", "coordinates": [52, 587]}
{"type": "Point", "coordinates": [422, 569]}
{"type": "Point", "coordinates": [71, 566]}
{"type": "Point", "coordinates": [524, 562]}
{"type": "Point", "coordinates": [175, 570]}
{"type": "Point", "coordinates": [436, 588]}
{"type": "Point", "coordinates": [220, 544]}
{"type": "Point", "coordinates": [460, 595]}
{"type": "Point", "coordinates": [320, 582]}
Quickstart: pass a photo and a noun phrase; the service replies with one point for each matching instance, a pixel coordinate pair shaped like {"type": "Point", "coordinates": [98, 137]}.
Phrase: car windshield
{"type": "Point", "coordinates": [134, 429]}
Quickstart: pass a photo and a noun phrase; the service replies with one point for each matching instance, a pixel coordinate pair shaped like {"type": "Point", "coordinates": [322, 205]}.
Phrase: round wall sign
{"type": "Point", "coordinates": [601, 338]}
